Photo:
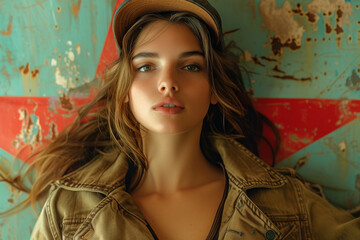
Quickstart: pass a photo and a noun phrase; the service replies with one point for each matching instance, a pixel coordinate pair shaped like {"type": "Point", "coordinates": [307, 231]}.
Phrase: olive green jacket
{"type": "Point", "coordinates": [262, 203]}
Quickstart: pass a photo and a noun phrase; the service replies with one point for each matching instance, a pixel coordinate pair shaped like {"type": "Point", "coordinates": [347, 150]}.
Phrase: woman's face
{"type": "Point", "coordinates": [170, 90]}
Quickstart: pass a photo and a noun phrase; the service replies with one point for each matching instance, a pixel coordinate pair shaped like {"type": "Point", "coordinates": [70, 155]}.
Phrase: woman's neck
{"type": "Point", "coordinates": [176, 163]}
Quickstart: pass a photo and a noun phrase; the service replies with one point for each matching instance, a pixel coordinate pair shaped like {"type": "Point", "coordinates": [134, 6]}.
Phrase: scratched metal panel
{"type": "Point", "coordinates": [49, 47]}
{"type": "Point", "coordinates": [297, 49]}
{"type": "Point", "coordinates": [49, 52]}
{"type": "Point", "coordinates": [303, 69]}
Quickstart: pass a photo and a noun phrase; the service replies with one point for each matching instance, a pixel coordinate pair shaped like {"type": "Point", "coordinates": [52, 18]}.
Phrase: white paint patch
{"type": "Point", "coordinates": [318, 6]}
{"type": "Point", "coordinates": [342, 146]}
{"type": "Point", "coordinates": [53, 62]}
{"type": "Point", "coordinates": [71, 56]}
{"type": "Point", "coordinates": [69, 43]}
{"type": "Point", "coordinates": [281, 21]}
{"type": "Point", "coordinates": [21, 114]}
{"type": "Point", "coordinates": [60, 80]}
{"type": "Point", "coordinates": [71, 84]}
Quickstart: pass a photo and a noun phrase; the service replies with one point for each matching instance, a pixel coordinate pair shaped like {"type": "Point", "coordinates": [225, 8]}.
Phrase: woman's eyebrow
{"type": "Point", "coordinates": [191, 53]}
{"type": "Point", "coordinates": [146, 55]}
{"type": "Point", "coordinates": [155, 55]}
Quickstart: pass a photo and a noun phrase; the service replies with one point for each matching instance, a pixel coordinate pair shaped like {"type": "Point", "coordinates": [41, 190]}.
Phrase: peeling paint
{"type": "Point", "coordinates": [60, 80]}
{"type": "Point", "coordinates": [353, 81]}
{"type": "Point", "coordinates": [287, 31]}
{"type": "Point", "coordinates": [53, 131]}
{"type": "Point", "coordinates": [53, 62]}
{"type": "Point", "coordinates": [342, 146]}
{"type": "Point", "coordinates": [30, 129]}
{"type": "Point", "coordinates": [277, 45]}
{"type": "Point", "coordinates": [66, 102]}
{"type": "Point", "coordinates": [343, 9]}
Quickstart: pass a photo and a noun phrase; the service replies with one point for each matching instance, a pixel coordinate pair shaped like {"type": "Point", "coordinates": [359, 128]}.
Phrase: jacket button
{"type": "Point", "coordinates": [270, 235]}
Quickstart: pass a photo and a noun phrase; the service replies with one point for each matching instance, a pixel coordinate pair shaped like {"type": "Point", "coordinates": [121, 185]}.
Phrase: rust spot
{"type": "Point", "coordinates": [257, 61]}
{"type": "Point", "coordinates": [329, 13]}
{"type": "Point", "coordinates": [9, 28]}
{"type": "Point", "coordinates": [328, 28]}
{"type": "Point", "coordinates": [325, 73]}
{"type": "Point", "coordinates": [316, 77]}
{"type": "Point", "coordinates": [315, 39]}
{"type": "Point", "coordinates": [315, 54]}
{"type": "Point", "coordinates": [339, 14]}
{"type": "Point", "coordinates": [59, 57]}
{"type": "Point", "coordinates": [25, 69]}
{"type": "Point", "coordinates": [289, 77]}
{"type": "Point", "coordinates": [35, 73]}
{"type": "Point", "coordinates": [59, 9]}
{"type": "Point", "coordinates": [358, 70]}
{"type": "Point", "coordinates": [276, 45]}
{"type": "Point", "coordinates": [338, 29]}
{"type": "Point", "coordinates": [325, 63]}
{"type": "Point", "coordinates": [66, 103]}
{"type": "Point", "coordinates": [311, 17]}
{"type": "Point", "coordinates": [56, 27]}
{"type": "Point", "coordinates": [76, 8]}
{"type": "Point", "coordinates": [324, 39]}
{"type": "Point", "coordinates": [298, 9]}
{"type": "Point", "coordinates": [358, 22]}
{"type": "Point", "coordinates": [10, 200]}
{"type": "Point", "coordinates": [350, 38]}
{"type": "Point", "coordinates": [308, 39]}
{"type": "Point", "coordinates": [276, 69]}
{"type": "Point", "coordinates": [324, 14]}
{"type": "Point", "coordinates": [268, 59]}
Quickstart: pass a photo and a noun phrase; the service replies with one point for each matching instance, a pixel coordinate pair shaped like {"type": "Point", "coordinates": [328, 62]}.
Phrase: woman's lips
{"type": "Point", "coordinates": [169, 106]}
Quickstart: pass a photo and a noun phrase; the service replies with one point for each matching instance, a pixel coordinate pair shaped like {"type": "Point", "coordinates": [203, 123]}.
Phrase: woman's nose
{"type": "Point", "coordinates": [168, 82]}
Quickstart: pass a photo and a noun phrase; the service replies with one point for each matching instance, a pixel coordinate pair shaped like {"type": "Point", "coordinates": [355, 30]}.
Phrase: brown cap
{"type": "Point", "coordinates": [130, 10]}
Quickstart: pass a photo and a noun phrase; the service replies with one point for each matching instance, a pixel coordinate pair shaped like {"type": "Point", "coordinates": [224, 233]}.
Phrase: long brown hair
{"type": "Point", "coordinates": [107, 126]}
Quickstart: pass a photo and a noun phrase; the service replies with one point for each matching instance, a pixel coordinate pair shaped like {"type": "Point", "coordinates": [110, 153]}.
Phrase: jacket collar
{"type": "Point", "coordinates": [108, 172]}
{"type": "Point", "coordinates": [245, 169]}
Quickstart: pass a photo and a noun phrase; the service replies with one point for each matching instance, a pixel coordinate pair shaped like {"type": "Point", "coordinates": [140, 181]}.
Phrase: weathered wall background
{"type": "Point", "coordinates": [303, 59]}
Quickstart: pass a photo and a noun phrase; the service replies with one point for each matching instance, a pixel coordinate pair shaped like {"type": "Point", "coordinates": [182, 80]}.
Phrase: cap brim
{"type": "Point", "coordinates": [129, 11]}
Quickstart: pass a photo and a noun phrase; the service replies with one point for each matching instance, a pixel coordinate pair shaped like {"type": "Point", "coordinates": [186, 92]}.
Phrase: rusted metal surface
{"type": "Point", "coordinates": [303, 68]}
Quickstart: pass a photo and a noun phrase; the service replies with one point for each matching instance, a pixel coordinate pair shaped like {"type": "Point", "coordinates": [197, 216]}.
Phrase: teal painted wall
{"type": "Point", "coordinates": [303, 68]}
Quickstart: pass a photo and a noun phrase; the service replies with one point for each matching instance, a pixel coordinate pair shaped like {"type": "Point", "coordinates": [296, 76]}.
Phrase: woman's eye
{"type": "Point", "coordinates": [192, 68]}
{"type": "Point", "coordinates": [145, 68]}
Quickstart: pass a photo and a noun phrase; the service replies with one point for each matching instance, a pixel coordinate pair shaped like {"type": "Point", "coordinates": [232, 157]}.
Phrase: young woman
{"type": "Point", "coordinates": [159, 153]}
